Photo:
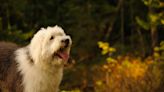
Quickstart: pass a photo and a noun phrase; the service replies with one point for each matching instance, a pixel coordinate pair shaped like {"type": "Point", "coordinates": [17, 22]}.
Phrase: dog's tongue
{"type": "Point", "coordinates": [64, 55]}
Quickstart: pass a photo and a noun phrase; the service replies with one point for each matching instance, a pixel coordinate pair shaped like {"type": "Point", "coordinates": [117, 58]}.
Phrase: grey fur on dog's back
{"type": "Point", "coordinates": [9, 77]}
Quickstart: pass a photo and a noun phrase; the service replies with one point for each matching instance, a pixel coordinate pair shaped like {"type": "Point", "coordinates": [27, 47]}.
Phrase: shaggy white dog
{"type": "Point", "coordinates": [41, 62]}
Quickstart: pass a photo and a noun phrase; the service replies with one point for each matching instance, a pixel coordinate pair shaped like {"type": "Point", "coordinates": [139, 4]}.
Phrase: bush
{"type": "Point", "coordinates": [126, 74]}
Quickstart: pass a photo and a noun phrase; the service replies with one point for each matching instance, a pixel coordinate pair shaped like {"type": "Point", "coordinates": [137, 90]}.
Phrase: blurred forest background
{"type": "Point", "coordinates": [118, 45]}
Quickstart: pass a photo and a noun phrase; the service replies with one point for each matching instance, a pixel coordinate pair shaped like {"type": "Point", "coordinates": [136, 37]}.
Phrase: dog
{"type": "Point", "coordinates": [37, 67]}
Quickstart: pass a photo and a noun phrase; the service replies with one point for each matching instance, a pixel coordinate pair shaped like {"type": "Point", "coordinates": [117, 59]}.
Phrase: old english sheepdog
{"type": "Point", "coordinates": [37, 67]}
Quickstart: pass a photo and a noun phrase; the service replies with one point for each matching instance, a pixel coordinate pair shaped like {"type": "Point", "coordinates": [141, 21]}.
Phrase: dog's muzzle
{"type": "Point", "coordinates": [66, 42]}
{"type": "Point", "coordinates": [62, 52]}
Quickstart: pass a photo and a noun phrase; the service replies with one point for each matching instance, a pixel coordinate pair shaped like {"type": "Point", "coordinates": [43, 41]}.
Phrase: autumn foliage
{"type": "Point", "coordinates": [129, 74]}
{"type": "Point", "coordinates": [126, 74]}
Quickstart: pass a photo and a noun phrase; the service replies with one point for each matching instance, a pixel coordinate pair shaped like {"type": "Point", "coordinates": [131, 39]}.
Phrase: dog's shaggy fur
{"type": "Point", "coordinates": [37, 67]}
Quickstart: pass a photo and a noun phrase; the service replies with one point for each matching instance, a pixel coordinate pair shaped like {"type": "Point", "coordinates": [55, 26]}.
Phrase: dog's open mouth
{"type": "Point", "coordinates": [61, 53]}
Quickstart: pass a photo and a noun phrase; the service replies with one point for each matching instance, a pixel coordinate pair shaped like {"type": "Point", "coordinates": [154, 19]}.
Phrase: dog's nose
{"type": "Point", "coordinates": [66, 41]}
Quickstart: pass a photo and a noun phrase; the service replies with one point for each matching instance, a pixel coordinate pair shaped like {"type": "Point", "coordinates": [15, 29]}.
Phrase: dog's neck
{"type": "Point", "coordinates": [35, 79]}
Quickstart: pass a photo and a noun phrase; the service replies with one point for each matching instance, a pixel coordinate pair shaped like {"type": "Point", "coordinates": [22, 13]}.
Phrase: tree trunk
{"type": "Point", "coordinates": [154, 36]}
{"type": "Point", "coordinates": [122, 27]}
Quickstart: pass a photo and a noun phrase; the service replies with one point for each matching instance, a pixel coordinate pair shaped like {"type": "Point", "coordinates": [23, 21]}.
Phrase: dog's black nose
{"type": "Point", "coordinates": [66, 41]}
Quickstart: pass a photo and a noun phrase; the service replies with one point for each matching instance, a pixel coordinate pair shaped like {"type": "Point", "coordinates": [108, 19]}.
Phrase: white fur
{"type": "Point", "coordinates": [45, 74]}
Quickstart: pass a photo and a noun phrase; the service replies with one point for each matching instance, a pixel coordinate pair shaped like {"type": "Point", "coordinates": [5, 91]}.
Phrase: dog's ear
{"type": "Point", "coordinates": [36, 45]}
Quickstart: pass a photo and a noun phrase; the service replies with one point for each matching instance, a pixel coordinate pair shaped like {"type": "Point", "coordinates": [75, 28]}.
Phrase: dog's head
{"type": "Point", "coordinates": [50, 46]}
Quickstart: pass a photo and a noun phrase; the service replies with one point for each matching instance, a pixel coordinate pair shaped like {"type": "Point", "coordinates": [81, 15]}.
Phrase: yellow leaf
{"type": "Point", "coordinates": [100, 43]}
{"type": "Point", "coordinates": [103, 45]}
{"type": "Point", "coordinates": [109, 60]}
{"type": "Point", "coordinates": [106, 44]}
{"type": "Point", "coordinates": [156, 55]}
{"type": "Point", "coordinates": [156, 49]}
{"type": "Point", "coordinates": [105, 66]}
{"type": "Point", "coordinates": [153, 17]}
{"type": "Point", "coordinates": [75, 90]}
{"type": "Point", "coordinates": [99, 83]}
{"type": "Point", "coordinates": [112, 49]}
{"type": "Point", "coordinates": [126, 63]}
{"type": "Point", "coordinates": [104, 52]}
{"type": "Point", "coordinates": [162, 21]}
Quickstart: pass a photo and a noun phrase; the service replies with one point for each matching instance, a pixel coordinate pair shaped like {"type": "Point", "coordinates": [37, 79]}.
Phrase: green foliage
{"type": "Point", "coordinates": [155, 18]}
{"type": "Point", "coordinates": [152, 3]}
{"type": "Point", "coordinates": [142, 23]}
{"type": "Point", "coordinates": [159, 51]}
{"type": "Point", "coordinates": [161, 46]}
